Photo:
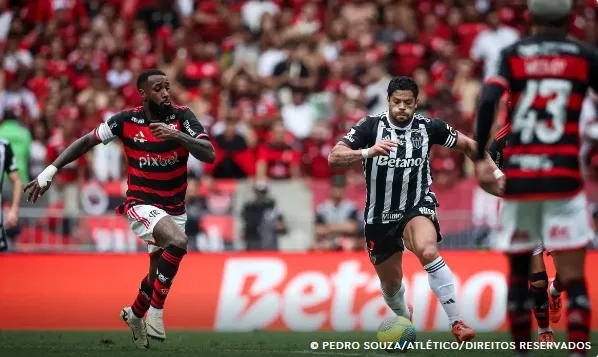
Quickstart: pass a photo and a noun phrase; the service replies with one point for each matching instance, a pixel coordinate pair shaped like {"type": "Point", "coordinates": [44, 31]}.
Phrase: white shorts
{"type": "Point", "coordinates": [562, 224]}
{"type": "Point", "coordinates": [143, 219]}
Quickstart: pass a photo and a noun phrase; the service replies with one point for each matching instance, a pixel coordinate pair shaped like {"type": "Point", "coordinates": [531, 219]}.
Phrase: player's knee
{"type": "Point", "coordinates": [539, 280]}
{"type": "Point", "coordinates": [391, 286]}
{"type": "Point", "coordinates": [179, 240]}
{"type": "Point", "coordinates": [428, 253]}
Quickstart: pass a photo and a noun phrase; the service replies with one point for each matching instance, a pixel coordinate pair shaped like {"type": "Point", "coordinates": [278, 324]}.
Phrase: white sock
{"type": "Point", "coordinates": [542, 330]}
{"type": "Point", "coordinates": [553, 291]}
{"type": "Point", "coordinates": [396, 302]}
{"type": "Point", "coordinates": [442, 284]}
{"type": "Point", "coordinates": [153, 311]}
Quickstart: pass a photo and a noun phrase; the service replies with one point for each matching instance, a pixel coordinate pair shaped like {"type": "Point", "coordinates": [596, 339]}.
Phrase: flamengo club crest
{"type": "Point", "coordinates": [416, 139]}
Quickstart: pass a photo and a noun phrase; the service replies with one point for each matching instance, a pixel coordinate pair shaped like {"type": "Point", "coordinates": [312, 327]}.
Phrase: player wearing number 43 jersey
{"type": "Point", "coordinates": [548, 75]}
{"type": "Point", "coordinates": [158, 138]}
{"type": "Point", "coordinates": [400, 210]}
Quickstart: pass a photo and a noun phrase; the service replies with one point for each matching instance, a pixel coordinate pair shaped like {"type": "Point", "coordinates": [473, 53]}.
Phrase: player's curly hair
{"type": "Point", "coordinates": [144, 76]}
{"type": "Point", "coordinates": [403, 83]}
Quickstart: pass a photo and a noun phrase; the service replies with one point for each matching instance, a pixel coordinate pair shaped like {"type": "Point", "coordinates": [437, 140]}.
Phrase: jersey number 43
{"type": "Point", "coordinates": [542, 99]}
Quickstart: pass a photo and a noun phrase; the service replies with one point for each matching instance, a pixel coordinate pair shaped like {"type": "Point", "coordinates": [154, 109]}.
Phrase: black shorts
{"type": "Point", "coordinates": [385, 239]}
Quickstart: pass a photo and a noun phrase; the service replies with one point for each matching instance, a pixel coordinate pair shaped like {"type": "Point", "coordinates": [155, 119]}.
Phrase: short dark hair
{"type": "Point", "coordinates": [403, 83]}
{"type": "Point", "coordinates": [144, 76]}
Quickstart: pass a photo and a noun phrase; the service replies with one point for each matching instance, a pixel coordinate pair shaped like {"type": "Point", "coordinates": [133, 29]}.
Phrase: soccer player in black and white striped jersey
{"type": "Point", "coordinates": [400, 209]}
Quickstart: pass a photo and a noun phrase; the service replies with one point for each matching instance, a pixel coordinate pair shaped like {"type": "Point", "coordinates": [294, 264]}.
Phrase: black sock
{"type": "Point", "coordinates": [578, 315]}
{"type": "Point", "coordinates": [144, 297]}
{"type": "Point", "coordinates": [168, 265]}
{"type": "Point", "coordinates": [519, 306]}
{"type": "Point", "coordinates": [538, 290]}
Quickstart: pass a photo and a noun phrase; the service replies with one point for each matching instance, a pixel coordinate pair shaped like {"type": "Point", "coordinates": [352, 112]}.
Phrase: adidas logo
{"type": "Point", "coordinates": [448, 302]}
{"type": "Point", "coordinates": [139, 137]}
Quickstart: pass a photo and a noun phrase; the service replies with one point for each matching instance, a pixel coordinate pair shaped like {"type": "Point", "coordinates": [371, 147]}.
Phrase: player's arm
{"type": "Point", "coordinates": [104, 133]}
{"type": "Point", "coordinates": [352, 147]}
{"type": "Point", "coordinates": [194, 138]}
{"type": "Point", "coordinates": [491, 94]}
{"type": "Point", "coordinates": [10, 167]}
{"type": "Point", "coordinates": [495, 151]}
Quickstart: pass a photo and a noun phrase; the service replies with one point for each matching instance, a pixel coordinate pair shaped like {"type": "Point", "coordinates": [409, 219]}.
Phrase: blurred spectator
{"type": "Point", "coordinates": [38, 151]}
{"type": "Point", "coordinates": [20, 140]}
{"type": "Point", "coordinates": [234, 158]}
{"type": "Point", "coordinates": [65, 185]}
{"type": "Point", "coordinates": [315, 152]}
{"type": "Point", "coordinates": [299, 116]}
{"type": "Point", "coordinates": [376, 90]}
{"type": "Point", "coordinates": [18, 99]}
{"type": "Point", "coordinates": [163, 14]}
{"type": "Point", "coordinates": [263, 221]}
{"type": "Point", "coordinates": [277, 159]}
{"type": "Point", "coordinates": [119, 75]}
{"type": "Point", "coordinates": [336, 223]}
{"type": "Point", "coordinates": [488, 43]}
{"type": "Point", "coordinates": [253, 11]}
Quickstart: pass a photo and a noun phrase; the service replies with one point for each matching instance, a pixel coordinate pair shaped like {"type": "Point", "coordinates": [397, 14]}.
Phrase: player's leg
{"type": "Point", "coordinates": [386, 254]}
{"type": "Point", "coordinates": [146, 288]}
{"type": "Point", "coordinates": [567, 233]}
{"type": "Point", "coordinates": [538, 290]}
{"type": "Point", "coordinates": [421, 236]}
{"type": "Point", "coordinates": [518, 234]}
{"type": "Point", "coordinates": [168, 235]}
{"type": "Point", "coordinates": [555, 301]}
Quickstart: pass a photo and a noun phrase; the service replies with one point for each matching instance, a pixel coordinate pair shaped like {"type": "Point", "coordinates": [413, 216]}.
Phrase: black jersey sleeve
{"type": "Point", "coordinates": [495, 149]}
{"type": "Point", "coordinates": [442, 134]}
{"type": "Point", "coordinates": [360, 134]}
{"type": "Point", "coordinates": [10, 163]}
{"type": "Point", "coordinates": [192, 127]}
{"type": "Point", "coordinates": [111, 129]}
{"type": "Point", "coordinates": [593, 76]}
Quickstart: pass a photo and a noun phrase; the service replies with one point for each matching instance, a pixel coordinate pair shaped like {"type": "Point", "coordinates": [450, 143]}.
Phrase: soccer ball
{"type": "Point", "coordinates": [395, 333]}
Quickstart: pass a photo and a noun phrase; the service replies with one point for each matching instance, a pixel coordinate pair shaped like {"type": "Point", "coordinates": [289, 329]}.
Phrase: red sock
{"type": "Point", "coordinates": [142, 302]}
{"type": "Point", "coordinates": [168, 265]}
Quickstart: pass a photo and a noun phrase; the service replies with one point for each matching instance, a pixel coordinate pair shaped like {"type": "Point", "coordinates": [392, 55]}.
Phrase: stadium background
{"type": "Point", "coordinates": [275, 83]}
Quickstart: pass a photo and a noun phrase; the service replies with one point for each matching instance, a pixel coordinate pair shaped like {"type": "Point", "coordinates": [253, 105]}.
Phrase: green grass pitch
{"type": "Point", "coordinates": [218, 344]}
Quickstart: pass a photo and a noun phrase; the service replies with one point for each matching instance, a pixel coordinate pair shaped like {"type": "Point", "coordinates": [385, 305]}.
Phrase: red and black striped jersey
{"type": "Point", "coordinates": [548, 76]}
{"type": "Point", "coordinates": [157, 169]}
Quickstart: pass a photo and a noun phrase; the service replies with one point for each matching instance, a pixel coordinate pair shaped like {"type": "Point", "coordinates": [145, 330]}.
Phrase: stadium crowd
{"type": "Point", "coordinates": [275, 82]}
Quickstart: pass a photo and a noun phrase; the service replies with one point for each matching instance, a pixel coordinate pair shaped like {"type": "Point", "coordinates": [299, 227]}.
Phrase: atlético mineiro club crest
{"type": "Point", "coordinates": [416, 140]}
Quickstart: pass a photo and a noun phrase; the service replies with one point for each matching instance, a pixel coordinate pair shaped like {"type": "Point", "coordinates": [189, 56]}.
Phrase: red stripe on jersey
{"type": "Point", "coordinates": [563, 67]}
{"type": "Point", "coordinates": [572, 128]}
{"type": "Point", "coordinates": [157, 175]}
{"type": "Point", "coordinates": [158, 192]}
{"type": "Point", "coordinates": [554, 172]}
{"type": "Point", "coordinates": [139, 133]}
{"type": "Point", "coordinates": [180, 152]}
{"type": "Point", "coordinates": [503, 132]}
{"type": "Point", "coordinates": [566, 150]}
{"type": "Point", "coordinates": [575, 101]}
{"type": "Point", "coordinates": [499, 81]}
{"type": "Point", "coordinates": [541, 195]}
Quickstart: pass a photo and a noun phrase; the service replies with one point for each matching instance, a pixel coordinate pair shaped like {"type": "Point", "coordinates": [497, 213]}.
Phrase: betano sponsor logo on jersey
{"type": "Point", "coordinates": [157, 160]}
{"type": "Point", "coordinates": [399, 163]}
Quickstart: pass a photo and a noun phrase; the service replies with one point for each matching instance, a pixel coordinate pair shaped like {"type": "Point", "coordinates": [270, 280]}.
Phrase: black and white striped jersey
{"type": "Point", "coordinates": [8, 164]}
{"type": "Point", "coordinates": [402, 180]}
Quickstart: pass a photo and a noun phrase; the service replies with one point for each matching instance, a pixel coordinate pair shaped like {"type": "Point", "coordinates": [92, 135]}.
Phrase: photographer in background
{"type": "Point", "coordinates": [263, 221]}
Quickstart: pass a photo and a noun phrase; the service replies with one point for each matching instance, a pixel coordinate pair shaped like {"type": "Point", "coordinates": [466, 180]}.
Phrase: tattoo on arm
{"type": "Point", "coordinates": [201, 149]}
{"type": "Point", "coordinates": [77, 149]}
{"type": "Point", "coordinates": [342, 156]}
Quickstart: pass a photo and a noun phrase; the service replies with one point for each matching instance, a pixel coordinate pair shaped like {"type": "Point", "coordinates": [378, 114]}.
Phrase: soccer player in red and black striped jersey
{"type": "Point", "coordinates": [548, 75]}
{"type": "Point", "coordinates": [158, 138]}
{"type": "Point", "coordinates": [546, 301]}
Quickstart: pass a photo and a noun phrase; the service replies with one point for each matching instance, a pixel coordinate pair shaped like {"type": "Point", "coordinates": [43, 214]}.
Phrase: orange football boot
{"type": "Point", "coordinates": [462, 332]}
{"type": "Point", "coordinates": [547, 336]}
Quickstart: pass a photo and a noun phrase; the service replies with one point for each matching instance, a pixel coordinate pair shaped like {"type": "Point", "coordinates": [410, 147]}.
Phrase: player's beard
{"type": "Point", "coordinates": [160, 110]}
{"type": "Point", "coordinates": [396, 121]}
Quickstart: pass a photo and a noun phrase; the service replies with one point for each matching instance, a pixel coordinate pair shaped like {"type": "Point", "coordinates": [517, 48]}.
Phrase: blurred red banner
{"type": "Point", "coordinates": [249, 291]}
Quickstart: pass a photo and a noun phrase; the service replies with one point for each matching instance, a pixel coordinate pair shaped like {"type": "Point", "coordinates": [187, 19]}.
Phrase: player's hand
{"type": "Point", "coordinates": [485, 173]}
{"type": "Point", "coordinates": [382, 148]}
{"type": "Point", "coordinates": [36, 190]}
{"type": "Point", "coordinates": [163, 131]}
{"type": "Point", "coordinates": [12, 218]}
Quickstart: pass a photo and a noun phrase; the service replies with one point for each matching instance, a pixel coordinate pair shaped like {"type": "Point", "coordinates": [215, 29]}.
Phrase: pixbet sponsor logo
{"type": "Point", "coordinates": [157, 160]}
{"type": "Point", "coordinates": [258, 293]}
